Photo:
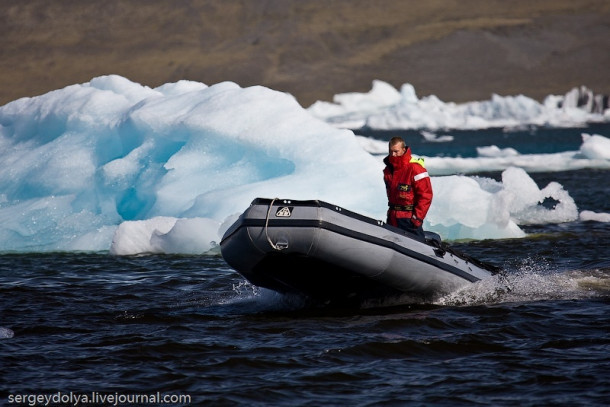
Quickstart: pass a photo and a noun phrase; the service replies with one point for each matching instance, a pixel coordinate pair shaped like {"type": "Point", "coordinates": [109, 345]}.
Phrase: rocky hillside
{"type": "Point", "coordinates": [313, 49]}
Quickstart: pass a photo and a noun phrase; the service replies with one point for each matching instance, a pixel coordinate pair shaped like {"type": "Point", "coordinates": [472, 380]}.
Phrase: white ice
{"type": "Point", "coordinates": [111, 165]}
{"type": "Point", "coordinates": [6, 333]}
{"type": "Point", "coordinates": [594, 152]}
{"type": "Point", "coordinates": [594, 216]}
{"type": "Point", "coordinates": [384, 107]}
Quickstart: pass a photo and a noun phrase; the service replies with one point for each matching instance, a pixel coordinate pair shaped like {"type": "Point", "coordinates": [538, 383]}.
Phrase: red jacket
{"type": "Point", "coordinates": [407, 185]}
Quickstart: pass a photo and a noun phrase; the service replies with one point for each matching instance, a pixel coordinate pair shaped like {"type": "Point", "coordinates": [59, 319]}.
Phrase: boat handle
{"type": "Point", "coordinates": [275, 246]}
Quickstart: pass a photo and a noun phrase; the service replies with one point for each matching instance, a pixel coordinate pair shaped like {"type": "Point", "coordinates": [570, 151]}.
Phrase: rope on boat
{"type": "Point", "coordinates": [276, 247]}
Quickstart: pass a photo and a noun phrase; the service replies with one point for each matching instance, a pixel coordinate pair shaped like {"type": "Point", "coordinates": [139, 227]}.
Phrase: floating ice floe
{"type": "Point", "coordinates": [594, 216]}
{"type": "Point", "coordinates": [385, 108]}
{"type": "Point", "coordinates": [6, 333]}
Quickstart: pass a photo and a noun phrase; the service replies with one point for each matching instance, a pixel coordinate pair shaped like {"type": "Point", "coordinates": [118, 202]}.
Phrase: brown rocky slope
{"type": "Point", "coordinates": [458, 50]}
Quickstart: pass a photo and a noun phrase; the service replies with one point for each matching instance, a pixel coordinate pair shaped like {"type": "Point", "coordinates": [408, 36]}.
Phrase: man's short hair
{"type": "Point", "coordinates": [396, 140]}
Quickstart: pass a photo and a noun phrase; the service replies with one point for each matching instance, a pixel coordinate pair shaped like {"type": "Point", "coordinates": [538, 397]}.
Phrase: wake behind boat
{"type": "Point", "coordinates": [327, 252]}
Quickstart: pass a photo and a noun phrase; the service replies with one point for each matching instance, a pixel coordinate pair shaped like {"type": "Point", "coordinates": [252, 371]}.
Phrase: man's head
{"type": "Point", "coordinates": [397, 147]}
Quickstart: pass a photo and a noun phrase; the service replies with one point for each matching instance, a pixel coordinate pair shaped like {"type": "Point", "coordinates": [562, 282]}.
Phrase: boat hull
{"type": "Point", "coordinates": [327, 252]}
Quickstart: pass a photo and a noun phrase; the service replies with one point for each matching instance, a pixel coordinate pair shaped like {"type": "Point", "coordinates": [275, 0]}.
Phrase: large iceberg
{"type": "Point", "coordinates": [111, 165]}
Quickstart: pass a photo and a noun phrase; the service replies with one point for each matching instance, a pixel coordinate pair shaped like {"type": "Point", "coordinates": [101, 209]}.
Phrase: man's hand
{"type": "Point", "coordinates": [416, 221]}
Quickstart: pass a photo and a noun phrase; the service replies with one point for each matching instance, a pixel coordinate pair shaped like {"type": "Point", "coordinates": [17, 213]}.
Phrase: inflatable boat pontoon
{"type": "Point", "coordinates": [326, 252]}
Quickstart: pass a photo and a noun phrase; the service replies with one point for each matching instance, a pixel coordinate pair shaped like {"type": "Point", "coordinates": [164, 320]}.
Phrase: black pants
{"type": "Point", "coordinates": [406, 224]}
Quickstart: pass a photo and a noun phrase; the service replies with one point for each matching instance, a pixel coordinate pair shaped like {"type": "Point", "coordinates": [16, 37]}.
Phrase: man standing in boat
{"type": "Point", "coordinates": [408, 187]}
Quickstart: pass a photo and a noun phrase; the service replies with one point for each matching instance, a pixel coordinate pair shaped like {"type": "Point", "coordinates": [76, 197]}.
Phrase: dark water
{"type": "Point", "coordinates": [189, 325]}
{"type": "Point", "coordinates": [532, 140]}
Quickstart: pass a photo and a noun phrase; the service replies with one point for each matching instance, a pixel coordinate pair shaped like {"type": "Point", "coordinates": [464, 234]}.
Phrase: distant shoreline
{"type": "Point", "coordinates": [311, 49]}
